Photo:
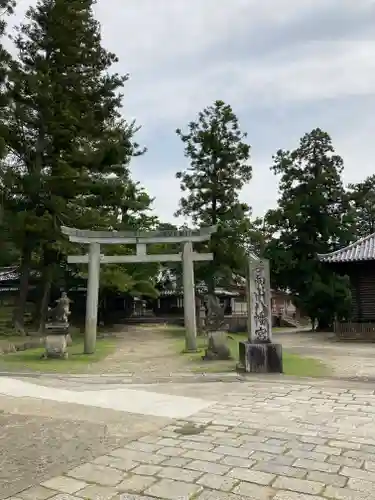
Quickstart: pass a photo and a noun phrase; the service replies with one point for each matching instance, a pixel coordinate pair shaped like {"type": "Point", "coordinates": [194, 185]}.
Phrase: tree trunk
{"type": "Point", "coordinates": [20, 306]}
{"type": "Point", "coordinates": [324, 325]}
{"type": "Point", "coordinates": [47, 283]}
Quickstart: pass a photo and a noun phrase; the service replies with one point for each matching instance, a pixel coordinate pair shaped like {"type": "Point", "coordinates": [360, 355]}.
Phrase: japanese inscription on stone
{"type": "Point", "coordinates": [260, 301]}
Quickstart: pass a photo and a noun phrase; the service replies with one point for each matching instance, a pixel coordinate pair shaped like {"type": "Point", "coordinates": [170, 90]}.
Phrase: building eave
{"type": "Point", "coordinates": [360, 251]}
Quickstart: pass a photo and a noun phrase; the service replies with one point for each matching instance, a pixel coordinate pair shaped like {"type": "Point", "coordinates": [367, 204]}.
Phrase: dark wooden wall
{"type": "Point", "coordinates": [362, 279]}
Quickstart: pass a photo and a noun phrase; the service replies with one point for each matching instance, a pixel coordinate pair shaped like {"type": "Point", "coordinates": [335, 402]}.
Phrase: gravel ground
{"type": "Point", "coordinates": [40, 439]}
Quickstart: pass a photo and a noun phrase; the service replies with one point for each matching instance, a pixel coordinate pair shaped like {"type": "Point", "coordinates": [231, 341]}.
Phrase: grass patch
{"type": "Point", "coordinates": [293, 364]}
{"type": "Point", "coordinates": [77, 362]}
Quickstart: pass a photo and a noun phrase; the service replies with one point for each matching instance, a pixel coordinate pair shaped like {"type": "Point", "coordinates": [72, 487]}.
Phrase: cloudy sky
{"type": "Point", "coordinates": [285, 66]}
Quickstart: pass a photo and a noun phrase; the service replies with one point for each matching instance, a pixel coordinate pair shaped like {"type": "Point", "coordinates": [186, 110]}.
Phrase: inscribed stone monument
{"type": "Point", "coordinates": [259, 354]}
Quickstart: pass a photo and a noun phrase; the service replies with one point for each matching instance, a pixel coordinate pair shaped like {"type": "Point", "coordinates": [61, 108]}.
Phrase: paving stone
{"type": "Point", "coordinates": [141, 446]}
{"type": "Point", "coordinates": [220, 495]}
{"type": "Point", "coordinates": [313, 465]}
{"type": "Point", "coordinates": [98, 474]}
{"type": "Point", "coordinates": [370, 466]}
{"type": "Point", "coordinates": [325, 477]}
{"type": "Point", "coordinates": [216, 482]}
{"type": "Point", "coordinates": [359, 456]}
{"type": "Point", "coordinates": [328, 450]}
{"type": "Point", "coordinates": [280, 470]}
{"type": "Point", "coordinates": [334, 493]}
{"type": "Point", "coordinates": [228, 442]}
{"type": "Point", "coordinates": [345, 444]}
{"type": "Point", "coordinates": [209, 467]}
{"type": "Point", "coordinates": [65, 496]}
{"type": "Point", "coordinates": [298, 485]}
{"type": "Point", "coordinates": [173, 490]}
{"type": "Point", "coordinates": [170, 451]}
{"type": "Point", "coordinates": [149, 439]}
{"type": "Point", "coordinates": [36, 493]}
{"type": "Point", "coordinates": [147, 470]}
{"type": "Point", "coordinates": [203, 455]}
{"type": "Point", "coordinates": [309, 455]}
{"type": "Point", "coordinates": [230, 450]}
{"type": "Point", "coordinates": [64, 484]}
{"type": "Point", "coordinates": [136, 483]}
{"type": "Point", "coordinates": [275, 450]}
{"type": "Point", "coordinates": [361, 485]}
{"type": "Point", "coordinates": [238, 462]}
{"type": "Point", "coordinates": [196, 445]}
{"type": "Point", "coordinates": [116, 462]}
{"type": "Point", "coordinates": [276, 442]}
{"type": "Point", "coordinates": [260, 455]}
{"type": "Point", "coordinates": [297, 445]}
{"type": "Point", "coordinates": [178, 474]}
{"type": "Point", "coordinates": [348, 462]}
{"type": "Point", "coordinates": [176, 462]}
{"type": "Point", "coordinates": [138, 456]}
{"type": "Point", "coordinates": [358, 474]}
{"type": "Point", "coordinates": [173, 442]}
{"type": "Point", "coordinates": [252, 476]}
{"type": "Point", "coordinates": [253, 491]}
{"type": "Point", "coordinates": [95, 492]}
{"type": "Point", "coordinates": [292, 495]}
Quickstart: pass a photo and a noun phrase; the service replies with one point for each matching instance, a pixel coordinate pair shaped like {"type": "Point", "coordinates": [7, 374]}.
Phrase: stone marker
{"type": "Point", "coordinates": [259, 354]}
{"type": "Point", "coordinates": [217, 348]}
{"type": "Point", "coordinates": [58, 337]}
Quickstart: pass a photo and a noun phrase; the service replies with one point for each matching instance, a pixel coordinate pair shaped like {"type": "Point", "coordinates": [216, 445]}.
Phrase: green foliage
{"type": "Point", "coordinates": [312, 217]}
{"type": "Point", "coordinates": [218, 170]}
{"type": "Point", "coordinates": [362, 200]}
{"type": "Point", "coordinates": [67, 147]}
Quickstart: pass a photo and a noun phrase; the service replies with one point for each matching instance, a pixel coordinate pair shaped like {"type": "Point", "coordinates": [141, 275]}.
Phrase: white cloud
{"type": "Point", "coordinates": [180, 56]}
{"type": "Point", "coordinates": [320, 70]}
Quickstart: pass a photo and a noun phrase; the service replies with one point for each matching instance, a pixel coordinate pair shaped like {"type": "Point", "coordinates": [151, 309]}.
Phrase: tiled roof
{"type": "Point", "coordinates": [363, 249]}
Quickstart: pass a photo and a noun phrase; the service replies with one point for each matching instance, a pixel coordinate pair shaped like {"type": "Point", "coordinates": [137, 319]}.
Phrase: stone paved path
{"type": "Point", "coordinates": [265, 439]}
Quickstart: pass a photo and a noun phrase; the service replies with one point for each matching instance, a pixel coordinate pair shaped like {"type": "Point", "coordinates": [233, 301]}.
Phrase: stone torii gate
{"type": "Point", "coordinates": [140, 239]}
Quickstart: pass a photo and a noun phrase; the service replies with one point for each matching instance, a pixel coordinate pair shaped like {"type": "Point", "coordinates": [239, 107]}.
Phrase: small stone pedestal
{"type": "Point", "coordinates": [260, 358]}
{"type": "Point", "coordinates": [57, 340]}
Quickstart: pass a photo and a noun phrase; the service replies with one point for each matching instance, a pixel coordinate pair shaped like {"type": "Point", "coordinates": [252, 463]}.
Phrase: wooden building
{"type": "Point", "coordinates": [357, 261]}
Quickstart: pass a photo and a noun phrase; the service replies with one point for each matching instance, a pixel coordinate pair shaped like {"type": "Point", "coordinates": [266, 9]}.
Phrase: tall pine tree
{"type": "Point", "coordinates": [362, 200]}
{"type": "Point", "coordinates": [312, 217]}
{"type": "Point", "coordinates": [68, 147]}
{"type": "Point", "coordinates": [219, 168]}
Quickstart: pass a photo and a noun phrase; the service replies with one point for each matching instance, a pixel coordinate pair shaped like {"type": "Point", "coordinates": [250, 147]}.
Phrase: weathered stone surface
{"type": "Point", "coordinates": [99, 474]}
{"type": "Point", "coordinates": [136, 483]}
{"type": "Point", "coordinates": [36, 493]}
{"type": "Point", "coordinates": [171, 490]}
{"type": "Point", "coordinates": [178, 474]}
{"type": "Point", "coordinates": [252, 476]}
{"type": "Point", "coordinates": [147, 470]}
{"type": "Point", "coordinates": [298, 485]}
{"type": "Point", "coordinates": [253, 491]}
{"type": "Point", "coordinates": [215, 482]}
{"type": "Point", "coordinates": [260, 358]}
{"type": "Point", "coordinates": [217, 348]}
{"type": "Point", "coordinates": [55, 346]}
{"type": "Point", "coordinates": [95, 492]}
{"type": "Point", "coordinates": [116, 462]}
{"type": "Point", "coordinates": [64, 484]}
{"type": "Point", "coordinates": [289, 426]}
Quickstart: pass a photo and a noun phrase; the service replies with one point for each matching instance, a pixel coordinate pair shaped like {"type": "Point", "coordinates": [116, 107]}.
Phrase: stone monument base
{"type": "Point", "coordinates": [260, 358]}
